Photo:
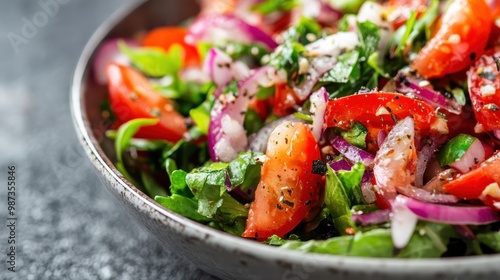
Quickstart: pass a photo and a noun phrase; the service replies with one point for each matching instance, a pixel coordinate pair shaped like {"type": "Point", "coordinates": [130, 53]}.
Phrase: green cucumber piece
{"type": "Point", "coordinates": [454, 149]}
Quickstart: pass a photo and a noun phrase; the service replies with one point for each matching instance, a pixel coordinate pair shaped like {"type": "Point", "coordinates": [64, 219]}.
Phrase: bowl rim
{"type": "Point", "coordinates": [224, 240]}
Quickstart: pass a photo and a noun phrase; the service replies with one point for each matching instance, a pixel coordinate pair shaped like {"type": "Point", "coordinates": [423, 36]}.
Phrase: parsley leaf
{"type": "Point", "coordinates": [155, 62]}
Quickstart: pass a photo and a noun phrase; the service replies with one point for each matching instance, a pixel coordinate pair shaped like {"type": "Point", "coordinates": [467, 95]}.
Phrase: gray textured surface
{"type": "Point", "coordinates": [68, 226]}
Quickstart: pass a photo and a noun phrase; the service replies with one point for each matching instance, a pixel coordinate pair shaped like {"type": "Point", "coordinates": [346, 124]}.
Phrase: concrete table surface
{"type": "Point", "coordinates": [68, 226]}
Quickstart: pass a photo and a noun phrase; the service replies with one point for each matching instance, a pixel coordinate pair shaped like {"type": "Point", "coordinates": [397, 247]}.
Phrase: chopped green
{"type": "Point", "coordinates": [356, 135]}
{"type": "Point", "coordinates": [351, 181]}
{"type": "Point", "coordinates": [346, 68]}
{"type": "Point", "coordinates": [490, 239]}
{"type": "Point", "coordinates": [184, 206]}
{"type": "Point", "coordinates": [336, 201]}
{"type": "Point", "coordinates": [286, 57]}
{"type": "Point", "coordinates": [126, 132]}
{"type": "Point", "coordinates": [270, 6]}
{"type": "Point", "coordinates": [155, 62]}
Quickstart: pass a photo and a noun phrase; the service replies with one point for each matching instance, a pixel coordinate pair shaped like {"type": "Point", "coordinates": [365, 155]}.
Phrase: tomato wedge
{"type": "Point", "coordinates": [462, 34]}
{"type": "Point", "coordinates": [133, 97]}
{"type": "Point", "coordinates": [288, 189]}
{"type": "Point", "coordinates": [472, 184]}
{"type": "Point", "coordinates": [165, 37]}
{"type": "Point", "coordinates": [285, 100]}
{"type": "Point", "coordinates": [380, 111]}
{"type": "Point", "coordinates": [484, 90]}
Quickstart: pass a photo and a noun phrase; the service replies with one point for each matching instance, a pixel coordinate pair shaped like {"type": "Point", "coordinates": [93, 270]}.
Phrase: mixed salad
{"type": "Point", "coordinates": [357, 128]}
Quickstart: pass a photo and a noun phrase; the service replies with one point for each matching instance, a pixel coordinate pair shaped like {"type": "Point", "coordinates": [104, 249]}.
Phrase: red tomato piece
{"type": "Point", "coordinates": [165, 37]}
{"type": "Point", "coordinates": [133, 97]}
{"type": "Point", "coordinates": [462, 34]}
{"type": "Point", "coordinates": [288, 189]}
{"type": "Point", "coordinates": [380, 111]}
{"type": "Point", "coordinates": [472, 184]}
{"type": "Point", "coordinates": [285, 100]}
{"type": "Point", "coordinates": [484, 90]}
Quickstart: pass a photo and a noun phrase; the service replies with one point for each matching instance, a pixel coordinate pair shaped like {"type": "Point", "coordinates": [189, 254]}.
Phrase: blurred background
{"type": "Point", "coordinates": [68, 227]}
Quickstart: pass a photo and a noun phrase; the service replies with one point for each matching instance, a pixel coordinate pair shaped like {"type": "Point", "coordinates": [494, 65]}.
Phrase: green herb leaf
{"type": "Point", "coordinates": [270, 6]}
{"type": "Point", "coordinates": [337, 202]}
{"type": "Point", "coordinates": [151, 187]}
{"type": "Point", "coordinates": [287, 57]}
{"type": "Point", "coordinates": [356, 135]}
{"type": "Point", "coordinates": [347, 6]}
{"type": "Point", "coordinates": [305, 31]}
{"type": "Point", "coordinates": [126, 132]}
{"type": "Point", "coordinates": [141, 144]}
{"type": "Point", "coordinates": [201, 115]}
{"type": "Point", "coordinates": [490, 239]}
{"type": "Point", "coordinates": [244, 171]}
{"type": "Point", "coordinates": [184, 206]}
{"type": "Point", "coordinates": [351, 181]}
{"type": "Point", "coordinates": [345, 69]}
{"type": "Point", "coordinates": [429, 240]}
{"type": "Point", "coordinates": [155, 62]}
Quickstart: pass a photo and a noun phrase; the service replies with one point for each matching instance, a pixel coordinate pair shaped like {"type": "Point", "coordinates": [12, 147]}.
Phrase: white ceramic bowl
{"type": "Point", "coordinates": [216, 252]}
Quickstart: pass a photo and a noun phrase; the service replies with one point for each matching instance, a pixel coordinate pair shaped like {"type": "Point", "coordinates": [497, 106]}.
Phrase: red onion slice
{"type": "Point", "coordinates": [367, 190]}
{"type": "Point", "coordinates": [374, 218]}
{"type": "Point", "coordinates": [465, 231]}
{"type": "Point", "coordinates": [403, 223]}
{"type": "Point", "coordinates": [217, 27]}
{"type": "Point", "coordinates": [423, 157]}
{"type": "Point", "coordinates": [218, 66]}
{"type": "Point", "coordinates": [496, 133]}
{"type": "Point", "coordinates": [395, 160]}
{"type": "Point", "coordinates": [226, 135]}
{"type": "Point", "coordinates": [426, 196]}
{"type": "Point", "coordinates": [422, 90]}
{"type": "Point", "coordinates": [381, 136]}
{"type": "Point", "coordinates": [454, 215]}
{"type": "Point", "coordinates": [352, 152]}
{"type": "Point", "coordinates": [340, 164]}
{"type": "Point", "coordinates": [221, 69]}
{"type": "Point", "coordinates": [435, 185]}
{"type": "Point", "coordinates": [108, 52]}
{"type": "Point", "coordinates": [318, 107]}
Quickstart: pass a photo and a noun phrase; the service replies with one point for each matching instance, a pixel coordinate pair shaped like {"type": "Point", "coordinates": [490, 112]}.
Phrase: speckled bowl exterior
{"type": "Point", "coordinates": [221, 254]}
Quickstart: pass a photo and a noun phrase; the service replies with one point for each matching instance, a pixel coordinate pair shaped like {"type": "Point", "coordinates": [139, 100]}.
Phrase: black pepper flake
{"type": "Point", "coordinates": [488, 75]}
{"type": "Point", "coordinates": [279, 206]}
{"type": "Point", "coordinates": [308, 202]}
{"type": "Point", "coordinates": [289, 203]}
{"type": "Point", "coordinates": [319, 167]}
{"type": "Point", "coordinates": [286, 140]}
{"type": "Point", "coordinates": [472, 55]}
{"type": "Point", "coordinates": [492, 107]}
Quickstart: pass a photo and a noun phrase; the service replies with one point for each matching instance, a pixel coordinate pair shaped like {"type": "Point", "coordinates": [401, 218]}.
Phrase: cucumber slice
{"type": "Point", "coordinates": [454, 149]}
